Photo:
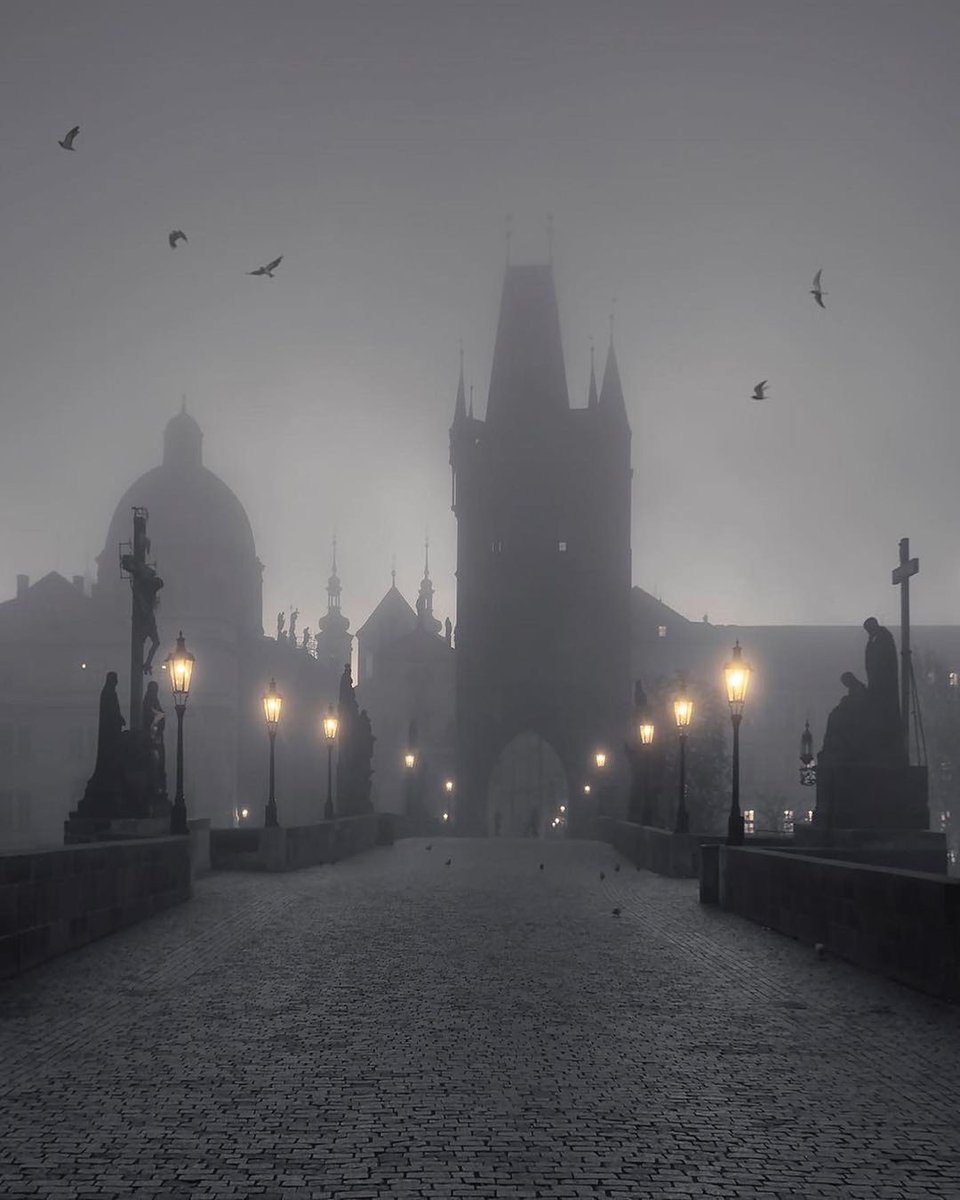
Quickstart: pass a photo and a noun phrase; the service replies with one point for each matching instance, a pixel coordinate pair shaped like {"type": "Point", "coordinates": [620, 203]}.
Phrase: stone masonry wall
{"type": "Point", "coordinates": [905, 924]}
{"type": "Point", "coordinates": [55, 900]}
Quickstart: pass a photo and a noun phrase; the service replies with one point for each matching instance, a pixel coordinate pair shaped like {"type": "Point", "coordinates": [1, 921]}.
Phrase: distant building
{"type": "Point", "coordinates": [541, 493]}
{"type": "Point", "coordinates": [57, 643]}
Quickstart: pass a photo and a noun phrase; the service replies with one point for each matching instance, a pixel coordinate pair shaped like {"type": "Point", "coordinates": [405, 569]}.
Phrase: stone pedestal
{"type": "Point", "coordinates": [132, 803]}
{"type": "Point", "coordinates": [862, 796]}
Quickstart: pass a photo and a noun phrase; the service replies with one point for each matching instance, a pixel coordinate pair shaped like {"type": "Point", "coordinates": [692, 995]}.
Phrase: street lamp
{"type": "Point", "coordinates": [682, 714]}
{"type": "Point", "coordinates": [448, 786]}
{"type": "Point", "coordinates": [180, 669]}
{"type": "Point", "coordinates": [330, 726]}
{"type": "Point", "coordinates": [736, 674]}
{"type": "Point", "coordinates": [646, 730]}
{"type": "Point", "coordinates": [808, 768]}
{"type": "Point", "coordinates": [272, 703]}
{"type": "Point", "coordinates": [409, 760]}
{"type": "Point", "coordinates": [600, 758]}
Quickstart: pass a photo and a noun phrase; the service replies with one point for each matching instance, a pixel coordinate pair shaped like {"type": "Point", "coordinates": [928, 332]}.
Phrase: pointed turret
{"type": "Point", "coordinates": [528, 379]}
{"type": "Point", "coordinates": [592, 391]}
{"type": "Point", "coordinates": [425, 618]}
{"type": "Point", "coordinates": [460, 406]}
{"type": "Point", "coordinates": [611, 402]}
{"type": "Point", "coordinates": [333, 642]}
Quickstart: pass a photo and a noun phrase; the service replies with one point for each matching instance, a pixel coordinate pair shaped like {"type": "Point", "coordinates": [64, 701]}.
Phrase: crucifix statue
{"type": "Point", "coordinates": [144, 584]}
{"type": "Point", "coordinates": [901, 577]}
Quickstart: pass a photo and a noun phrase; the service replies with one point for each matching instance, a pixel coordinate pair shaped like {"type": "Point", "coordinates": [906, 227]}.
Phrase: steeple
{"type": "Point", "coordinates": [611, 401]}
{"type": "Point", "coordinates": [425, 617]}
{"type": "Point", "coordinates": [592, 392]}
{"type": "Point", "coordinates": [460, 407]}
{"type": "Point", "coordinates": [333, 642]}
{"type": "Point", "coordinates": [333, 583]}
{"type": "Point", "coordinates": [528, 379]}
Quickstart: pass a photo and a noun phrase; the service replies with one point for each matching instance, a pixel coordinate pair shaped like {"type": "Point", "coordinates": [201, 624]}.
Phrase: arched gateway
{"type": "Point", "coordinates": [541, 493]}
{"type": "Point", "coordinates": [528, 789]}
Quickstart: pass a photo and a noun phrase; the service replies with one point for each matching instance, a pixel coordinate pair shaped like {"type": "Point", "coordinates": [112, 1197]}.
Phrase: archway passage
{"type": "Point", "coordinates": [528, 789]}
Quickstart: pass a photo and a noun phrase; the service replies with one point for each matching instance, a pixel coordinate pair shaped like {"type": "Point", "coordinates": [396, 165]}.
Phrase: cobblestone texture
{"type": "Point", "coordinates": [394, 1027]}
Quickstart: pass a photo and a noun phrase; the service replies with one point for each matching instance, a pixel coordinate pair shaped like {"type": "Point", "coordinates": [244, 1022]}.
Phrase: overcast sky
{"type": "Point", "coordinates": [700, 160]}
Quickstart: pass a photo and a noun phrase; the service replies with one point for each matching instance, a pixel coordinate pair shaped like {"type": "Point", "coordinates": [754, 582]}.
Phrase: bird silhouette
{"type": "Point", "coordinates": [448, 862]}
{"type": "Point", "coordinates": [430, 847]}
{"type": "Point", "coordinates": [816, 291]}
{"type": "Point", "coordinates": [760, 391]}
{"type": "Point", "coordinates": [176, 235]}
{"type": "Point", "coordinates": [602, 877]}
{"type": "Point", "coordinates": [616, 912]}
{"type": "Point", "coordinates": [68, 139]}
{"type": "Point", "coordinates": [541, 866]}
{"type": "Point", "coordinates": [269, 269]}
{"type": "Point", "coordinates": [616, 866]}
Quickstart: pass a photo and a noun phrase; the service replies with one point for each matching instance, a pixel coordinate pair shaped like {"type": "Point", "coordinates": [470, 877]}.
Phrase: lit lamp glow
{"type": "Point", "coordinates": [330, 726]}
{"type": "Point", "coordinates": [272, 703]}
{"type": "Point", "coordinates": [736, 677]}
{"type": "Point", "coordinates": [448, 786]}
{"type": "Point", "coordinates": [646, 733]}
{"type": "Point", "coordinates": [600, 758]}
{"type": "Point", "coordinates": [180, 669]}
{"type": "Point", "coordinates": [683, 715]}
{"type": "Point", "coordinates": [409, 760]}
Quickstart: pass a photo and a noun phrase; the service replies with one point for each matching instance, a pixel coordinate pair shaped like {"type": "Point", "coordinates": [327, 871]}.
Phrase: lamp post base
{"type": "Point", "coordinates": [270, 818]}
{"type": "Point", "coordinates": [735, 829]}
{"type": "Point", "coordinates": [178, 817]}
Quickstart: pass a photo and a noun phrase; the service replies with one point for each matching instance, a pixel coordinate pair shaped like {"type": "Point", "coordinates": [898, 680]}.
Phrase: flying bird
{"type": "Point", "coordinates": [269, 269]}
{"type": "Point", "coordinates": [816, 291]}
{"type": "Point", "coordinates": [760, 391]}
{"type": "Point", "coordinates": [68, 139]}
{"type": "Point", "coordinates": [176, 235]}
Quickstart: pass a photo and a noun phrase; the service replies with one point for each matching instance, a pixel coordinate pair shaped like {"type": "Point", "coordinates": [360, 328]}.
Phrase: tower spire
{"type": "Point", "coordinates": [592, 392]}
{"type": "Point", "coordinates": [460, 407]}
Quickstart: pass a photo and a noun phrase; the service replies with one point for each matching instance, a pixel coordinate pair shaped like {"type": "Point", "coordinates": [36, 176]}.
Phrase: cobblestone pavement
{"type": "Point", "coordinates": [395, 1027]}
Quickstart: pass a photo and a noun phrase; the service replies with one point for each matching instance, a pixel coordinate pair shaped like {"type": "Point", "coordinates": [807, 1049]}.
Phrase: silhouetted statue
{"type": "Point", "coordinates": [880, 662]}
{"type": "Point", "coordinates": [849, 735]}
{"type": "Point", "coordinates": [145, 584]}
{"type": "Point", "coordinates": [448, 631]}
{"type": "Point", "coordinates": [294, 616]}
{"type": "Point", "coordinates": [306, 637]}
{"type": "Point", "coordinates": [346, 696]}
{"type": "Point", "coordinates": [108, 771]}
{"type": "Point", "coordinates": [281, 621]}
{"type": "Point", "coordinates": [153, 724]}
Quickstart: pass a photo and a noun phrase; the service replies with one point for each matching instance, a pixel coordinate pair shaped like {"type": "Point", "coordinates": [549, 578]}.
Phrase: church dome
{"type": "Point", "coordinates": [200, 538]}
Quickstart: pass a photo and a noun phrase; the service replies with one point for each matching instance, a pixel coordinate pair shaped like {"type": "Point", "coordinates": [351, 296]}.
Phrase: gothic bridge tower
{"type": "Point", "coordinates": [541, 493]}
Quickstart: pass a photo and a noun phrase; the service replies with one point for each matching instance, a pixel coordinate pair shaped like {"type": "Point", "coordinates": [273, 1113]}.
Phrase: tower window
{"type": "Point", "coordinates": [661, 631]}
{"type": "Point", "coordinates": [562, 547]}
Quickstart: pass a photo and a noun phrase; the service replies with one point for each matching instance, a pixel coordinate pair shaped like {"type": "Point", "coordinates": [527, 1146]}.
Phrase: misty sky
{"type": "Point", "coordinates": [700, 160]}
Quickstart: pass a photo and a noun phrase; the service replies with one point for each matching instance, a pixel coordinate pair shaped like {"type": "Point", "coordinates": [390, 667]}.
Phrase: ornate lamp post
{"type": "Point", "coordinates": [180, 668]}
{"type": "Point", "coordinates": [683, 715]}
{"type": "Point", "coordinates": [645, 730]}
{"type": "Point", "coordinates": [736, 675]}
{"type": "Point", "coordinates": [272, 703]}
{"type": "Point", "coordinates": [808, 768]}
{"type": "Point", "coordinates": [330, 726]}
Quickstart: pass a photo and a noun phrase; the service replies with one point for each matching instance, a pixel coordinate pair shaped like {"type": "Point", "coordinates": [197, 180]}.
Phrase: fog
{"type": "Point", "coordinates": [700, 162]}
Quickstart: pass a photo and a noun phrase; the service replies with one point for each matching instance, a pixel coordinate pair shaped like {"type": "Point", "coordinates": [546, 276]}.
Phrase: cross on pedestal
{"type": "Point", "coordinates": [901, 577]}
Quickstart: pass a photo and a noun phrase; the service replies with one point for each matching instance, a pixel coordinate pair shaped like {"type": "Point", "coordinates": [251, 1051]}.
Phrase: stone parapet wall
{"type": "Point", "coordinates": [657, 850]}
{"type": "Point", "coordinates": [290, 848]}
{"type": "Point", "coordinates": [57, 899]}
{"type": "Point", "coordinates": [903, 924]}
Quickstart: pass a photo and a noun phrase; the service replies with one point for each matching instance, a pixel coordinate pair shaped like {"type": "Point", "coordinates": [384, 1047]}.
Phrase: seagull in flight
{"type": "Point", "coordinates": [269, 269]}
{"type": "Point", "coordinates": [760, 391]}
{"type": "Point", "coordinates": [176, 235]}
{"type": "Point", "coordinates": [68, 138]}
{"type": "Point", "coordinates": [816, 291]}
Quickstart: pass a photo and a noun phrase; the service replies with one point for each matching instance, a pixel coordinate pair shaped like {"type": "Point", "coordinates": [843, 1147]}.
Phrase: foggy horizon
{"type": "Point", "coordinates": [700, 163]}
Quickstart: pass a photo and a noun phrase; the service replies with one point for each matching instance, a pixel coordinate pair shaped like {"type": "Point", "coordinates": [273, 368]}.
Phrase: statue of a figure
{"type": "Point", "coordinates": [306, 637]}
{"type": "Point", "coordinates": [346, 696]}
{"type": "Point", "coordinates": [364, 758]}
{"type": "Point", "coordinates": [639, 696]}
{"type": "Point", "coordinates": [448, 631]}
{"type": "Point", "coordinates": [109, 764]}
{"type": "Point", "coordinates": [880, 662]}
{"type": "Point", "coordinates": [849, 735]}
{"type": "Point", "coordinates": [145, 583]}
{"type": "Point", "coordinates": [281, 621]}
{"type": "Point", "coordinates": [153, 723]}
{"type": "Point", "coordinates": [293, 626]}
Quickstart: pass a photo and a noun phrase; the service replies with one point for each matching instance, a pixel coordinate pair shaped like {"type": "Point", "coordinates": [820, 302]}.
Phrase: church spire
{"type": "Point", "coordinates": [333, 583]}
{"type": "Point", "coordinates": [460, 408]}
{"type": "Point", "coordinates": [425, 617]}
{"type": "Point", "coordinates": [592, 392]}
{"type": "Point", "coordinates": [611, 390]}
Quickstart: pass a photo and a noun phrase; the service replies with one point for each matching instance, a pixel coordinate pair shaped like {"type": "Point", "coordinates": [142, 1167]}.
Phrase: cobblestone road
{"type": "Point", "coordinates": [392, 1026]}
